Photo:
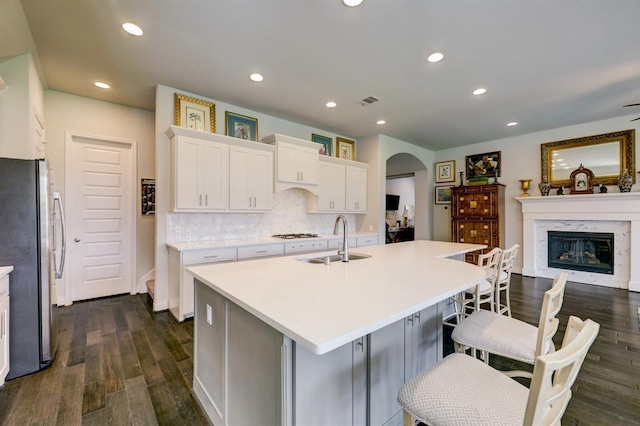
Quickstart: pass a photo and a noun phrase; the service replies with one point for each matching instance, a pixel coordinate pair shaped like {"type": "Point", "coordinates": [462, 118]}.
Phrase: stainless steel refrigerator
{"type": "Point", "coordinates": [28, 234]}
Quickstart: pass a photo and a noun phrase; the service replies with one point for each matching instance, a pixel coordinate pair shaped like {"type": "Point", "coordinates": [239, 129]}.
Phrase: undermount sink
{"type": "Point", "coordinates": [333, 258]}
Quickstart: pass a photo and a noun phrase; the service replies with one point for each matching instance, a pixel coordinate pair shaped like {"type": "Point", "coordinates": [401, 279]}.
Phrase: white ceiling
{"type": "Point", "coordinates": [545, 63]}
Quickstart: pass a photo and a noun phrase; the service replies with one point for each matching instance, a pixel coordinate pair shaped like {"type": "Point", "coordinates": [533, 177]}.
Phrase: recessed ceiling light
{"type": "Point", "coordinates": [331, 104]}
{"type": "Point", "coordinates": [102, 85]}
{"type": "Point", "coordinates": [513, 123]}
{"type": "Point", "coordinates": [132, 29]}
{"type": "Point", "coordinates": [256, 77]}
{"type": "Point", "coordinates": [480, 91]}
{"type": "Point", "coordinates": [352, 3]}
{"type": "Point", "coordinates": [435, 57]}
{"type": "Point", "coordinates": [381, 122]}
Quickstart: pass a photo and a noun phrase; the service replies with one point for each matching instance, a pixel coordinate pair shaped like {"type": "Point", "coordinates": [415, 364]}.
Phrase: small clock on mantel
{"type": "Point", "coordinates": [581, 181]}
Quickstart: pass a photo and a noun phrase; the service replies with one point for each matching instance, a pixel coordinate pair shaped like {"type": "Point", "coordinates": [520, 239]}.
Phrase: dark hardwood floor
{"type": "Point", "coordinates": [118, 363]}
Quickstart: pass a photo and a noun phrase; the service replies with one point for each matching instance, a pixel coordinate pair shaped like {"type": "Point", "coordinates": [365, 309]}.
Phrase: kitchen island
{"type": "Point", "coordinates": [286, 342]}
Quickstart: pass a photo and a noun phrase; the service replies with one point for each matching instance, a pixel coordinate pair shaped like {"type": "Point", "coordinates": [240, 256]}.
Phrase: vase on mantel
{"type": "Point", "coordinates": [545, 187]}
{"type": "Point", "coordinates": [625, 181]}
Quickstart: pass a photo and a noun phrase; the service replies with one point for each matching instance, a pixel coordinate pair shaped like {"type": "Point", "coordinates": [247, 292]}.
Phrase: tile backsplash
{"type": "Point", "coordinates": [288, 215]}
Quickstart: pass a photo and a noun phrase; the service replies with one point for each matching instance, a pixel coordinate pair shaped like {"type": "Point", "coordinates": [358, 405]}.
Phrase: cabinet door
{"type": "Point", "coordinates": [201, 174]}
{"type": "Point", "coordinates": [387, 375]}
{"type": "Point", "coordinates": [328, 387]}
{"type": "Point", "coordinates": [239, 193]}
{"type": "Point", "coordinates": [356, 189]}
{"type": "Point", "coordinates": [261, 180]}
{"type": "Point", "coordinates": [331, 189]}
{"type": "Point", "coordinates": [4, 339]}
{"type": "Point", "coordinates": [422, 340]}
{"type": "Point", "coordinates": [251, 179]}
{"type": "Point", "coordinates": [308, 165]}
{"type": "Point", "coordinates": [187, 161]}
{"type": "Point", "coordinates": [215, 175]}
{"type": "Point", "coordinates": [288, 163]}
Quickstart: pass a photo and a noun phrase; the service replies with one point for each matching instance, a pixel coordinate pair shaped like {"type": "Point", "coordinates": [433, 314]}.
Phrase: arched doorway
{"type": "Point", "coordinates": [407, 176]}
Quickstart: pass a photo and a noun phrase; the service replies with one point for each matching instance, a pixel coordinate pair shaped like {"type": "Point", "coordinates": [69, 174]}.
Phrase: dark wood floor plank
{"type": "Point", "coordinates": [93, 397]}
{"type": "Point", "coordinates": [148, 364]}
{"type": "Point", "coordinates": [70, 408]}
{"type": "Point", "coordinates": [176, 349]}
{"type": "Point", "coordinates": [128, 355]}
{"type": "Point", "coordinates": [48, 400]}
{"type": "Point", "coordinates": [116, 412]}
{"type": "Point", "coordinates": [180, 392]}
{"type": "Point", "coordinates": [94, 364]}
{"type": "Point", "coordinates": [164, 405]}
{"type": "Point", "coordinates": [113, 370]}
{"type": "Point", "coordinates": [142, 411]}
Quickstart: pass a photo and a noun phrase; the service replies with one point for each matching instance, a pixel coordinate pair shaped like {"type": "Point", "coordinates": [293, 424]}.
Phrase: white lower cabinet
{"type": "Point", "coordinates": [4, 328]}
{"type": "Point", "coordinates": [252, 374]}
{"type": "Point", "coordinates": [181, 295]}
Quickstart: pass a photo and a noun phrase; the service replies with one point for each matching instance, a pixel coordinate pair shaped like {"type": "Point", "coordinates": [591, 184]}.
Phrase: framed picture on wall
{"type": "Point", "coordinates": [443, 194]}
{"type": "Point", "coordinates": [483, 165]}
{"type": "Point", "coordinates": [445, 171]}
{"type": "Point", "coordinates": [346, 149]}
{"type": "Point", "coordinates": [194, 113]}
{"type": "Point", "coordinates": [240, 126]}
{"type": "Point", "coordinates": [327, 144]}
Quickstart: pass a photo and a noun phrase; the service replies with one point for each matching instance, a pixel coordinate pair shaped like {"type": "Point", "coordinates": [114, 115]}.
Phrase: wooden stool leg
{"type": "Point", "coordinates": [407, 419]}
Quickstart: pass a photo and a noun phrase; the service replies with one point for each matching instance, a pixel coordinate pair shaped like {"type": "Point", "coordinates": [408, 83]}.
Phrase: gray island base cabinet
{"type": "Point", "coordinates": [276, 351]}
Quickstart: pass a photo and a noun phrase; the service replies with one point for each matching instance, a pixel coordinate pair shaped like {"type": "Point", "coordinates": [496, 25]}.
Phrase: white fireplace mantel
{"type": "Point", "coordinates": [583, 209]}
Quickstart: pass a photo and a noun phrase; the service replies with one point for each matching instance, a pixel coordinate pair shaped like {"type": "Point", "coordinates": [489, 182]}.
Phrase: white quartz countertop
{"type": "Point", "coordinates": [4, 270]}
{"type": "Point", "coordinates": [323, 307]}
{"type": "Point", "coordinates": [196, 245]}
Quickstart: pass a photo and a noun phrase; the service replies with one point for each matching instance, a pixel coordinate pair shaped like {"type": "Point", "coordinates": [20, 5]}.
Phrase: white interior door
{"type": "Point", "coordinates": [99, 187]}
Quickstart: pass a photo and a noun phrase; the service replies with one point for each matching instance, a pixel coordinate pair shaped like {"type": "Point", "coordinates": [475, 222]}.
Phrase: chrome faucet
{"type": "Point", "coordinates": [344, 252]}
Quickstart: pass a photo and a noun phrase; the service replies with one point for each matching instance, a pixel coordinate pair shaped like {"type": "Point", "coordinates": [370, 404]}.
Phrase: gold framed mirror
{"type": "Point", "coordinates": [607, 155]}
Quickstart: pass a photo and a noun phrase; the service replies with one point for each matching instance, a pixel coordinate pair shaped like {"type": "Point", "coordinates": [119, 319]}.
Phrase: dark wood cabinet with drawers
{"type": "Point", "coordinates": [477, 216]}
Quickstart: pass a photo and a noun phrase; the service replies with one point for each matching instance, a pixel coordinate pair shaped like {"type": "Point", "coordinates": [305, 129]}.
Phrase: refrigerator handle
{"type": "Point", "coordinates": [56, 197]}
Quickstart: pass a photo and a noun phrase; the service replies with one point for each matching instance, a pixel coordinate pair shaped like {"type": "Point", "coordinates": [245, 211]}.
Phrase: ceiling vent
{"type": "Point", "coordinates": [368, 100]}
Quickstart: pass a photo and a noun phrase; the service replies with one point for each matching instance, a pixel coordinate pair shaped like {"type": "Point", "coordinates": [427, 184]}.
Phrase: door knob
{"type": "Point", "coordinates": [77, 240]}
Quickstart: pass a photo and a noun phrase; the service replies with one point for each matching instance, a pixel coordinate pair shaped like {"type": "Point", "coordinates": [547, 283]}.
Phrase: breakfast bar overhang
{"type": "Point", "coordinates": [282, 341]}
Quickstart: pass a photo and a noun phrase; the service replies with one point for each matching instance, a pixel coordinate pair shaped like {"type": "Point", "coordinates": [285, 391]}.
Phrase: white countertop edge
{"type": "Point", "coordinates": [197, 245]}
{"type": "Point", "coordinates": [322, 346]}
{"type": "Point", "coordinates": [4, 270]}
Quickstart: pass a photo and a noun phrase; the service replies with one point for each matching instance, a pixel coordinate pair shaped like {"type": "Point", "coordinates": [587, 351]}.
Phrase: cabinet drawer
{"type": "Point", "coordinates": [194, 257]}
{"type": "Point", "coordinates": [265, 250]}
{"type": "Point", "coordinates": [335, 243]}
{"type": "Point", "coordinates": [4, 287]}
{"type": "Point", "coordinates": [305, 246]}
{"type": "Point", "coordinates": [367, 241]}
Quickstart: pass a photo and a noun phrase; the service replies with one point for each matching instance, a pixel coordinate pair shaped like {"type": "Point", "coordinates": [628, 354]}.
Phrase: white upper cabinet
{"type": "Point", "coordinates": [297, 162]}
{"type": "Point", "coordinates": [251, 179]}
{"type": "Point", "coordinates": [211, 172]}
{"type": "Point", "coordinates": [356, 190]}
{"type": "Point", "coordinates": [342, 187]}
{"type": "Point", "coordinates": [200, 174]}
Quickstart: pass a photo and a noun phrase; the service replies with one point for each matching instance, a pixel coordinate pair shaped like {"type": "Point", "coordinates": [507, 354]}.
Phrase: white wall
{"type": "Point", "coordinates": [72, 113]}
{"type": "Point", "coordinates": [521, 160]}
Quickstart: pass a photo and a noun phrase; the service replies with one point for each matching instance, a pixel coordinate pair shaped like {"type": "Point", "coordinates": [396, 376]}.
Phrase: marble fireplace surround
{"type": "Point", "coordinates": [618, 213]}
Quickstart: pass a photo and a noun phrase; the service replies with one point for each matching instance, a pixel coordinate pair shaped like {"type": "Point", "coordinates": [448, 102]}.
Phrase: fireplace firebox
{"type": "Point", "coordinates": [581, 251]}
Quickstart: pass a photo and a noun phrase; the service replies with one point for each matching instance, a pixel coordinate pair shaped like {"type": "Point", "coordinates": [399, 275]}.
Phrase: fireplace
{"type": "Point", "coordinates": [581, 251]}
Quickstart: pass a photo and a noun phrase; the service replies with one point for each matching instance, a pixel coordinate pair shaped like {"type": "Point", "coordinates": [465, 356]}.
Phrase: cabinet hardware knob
{"type": "Point", "coordinates": [77, 240]}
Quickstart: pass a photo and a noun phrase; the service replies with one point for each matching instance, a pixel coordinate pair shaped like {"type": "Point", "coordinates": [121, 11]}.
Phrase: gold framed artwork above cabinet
{"type": "Point", "coordinates": [240, 126]}
{"type": "Point", "coordinates": [483, 165]}
{"type": "Point", "coordinates": [445, 171]}
{"type": "Point", "coordinates": [345, 149]}
{"type": "Point", "coordinates": [194, 113]}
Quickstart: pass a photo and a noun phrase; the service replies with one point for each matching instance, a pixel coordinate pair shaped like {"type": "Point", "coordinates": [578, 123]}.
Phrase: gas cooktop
{"type": "Point", "coordinates": [294, 236]}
